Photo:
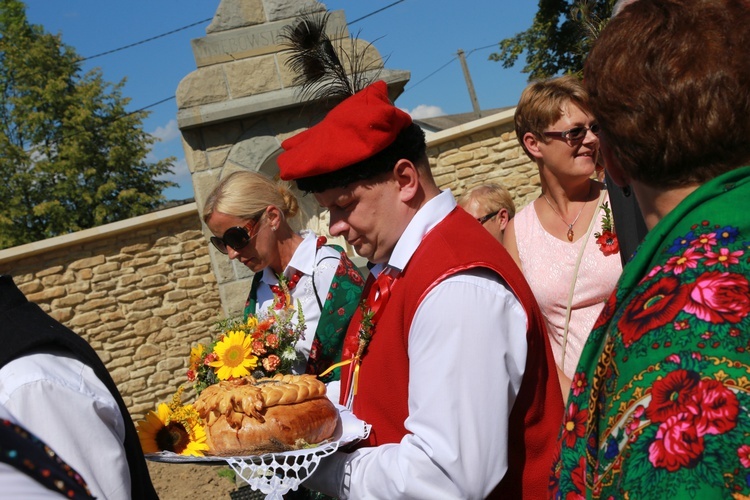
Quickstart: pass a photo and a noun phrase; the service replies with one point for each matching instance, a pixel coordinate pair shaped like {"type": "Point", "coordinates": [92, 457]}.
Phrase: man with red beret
{"type": "Point", "coordinates": [448, 358]}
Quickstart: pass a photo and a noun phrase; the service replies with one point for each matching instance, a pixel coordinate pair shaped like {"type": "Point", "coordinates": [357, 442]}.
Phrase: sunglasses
{"type": "Point", "coordinates": [576, 133]}
{"type": "Point", "coordinates": [487, 217]}
{"type": "Point", "coordinates": [235, 237]}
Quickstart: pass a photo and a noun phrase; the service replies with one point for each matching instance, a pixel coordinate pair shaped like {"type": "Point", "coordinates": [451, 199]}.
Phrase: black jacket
{"type": "Point", "coordinates": [25, 327]}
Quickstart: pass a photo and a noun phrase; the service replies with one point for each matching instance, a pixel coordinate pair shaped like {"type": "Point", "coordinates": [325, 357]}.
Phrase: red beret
{"type": "Point", "coordinates": [356, 129]}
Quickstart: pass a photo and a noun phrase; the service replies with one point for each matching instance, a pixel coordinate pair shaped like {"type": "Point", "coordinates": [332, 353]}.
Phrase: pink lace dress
{"type": "Point", "coordinates": [549, 266]}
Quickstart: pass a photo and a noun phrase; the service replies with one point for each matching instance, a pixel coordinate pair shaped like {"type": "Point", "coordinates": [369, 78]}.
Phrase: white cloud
{"type": "Point", "coordinates": [183, 179]}
{"type": "Point", "coordinates": [167, 132]}
{"type": "Point", "coordinates": [425, 111]}
{"type": "Point", "coordinates": [181, 172]}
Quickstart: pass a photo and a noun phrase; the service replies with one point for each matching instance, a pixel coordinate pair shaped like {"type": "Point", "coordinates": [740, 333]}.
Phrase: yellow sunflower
{"type": "Point", "coordinates": [177, 431]}
{"type": "Point", "coordinates": [252, 322]}
{"type": "Point", "coordinates": [196, 355]}
{"type": "Point", "coordinates": [235, 356]}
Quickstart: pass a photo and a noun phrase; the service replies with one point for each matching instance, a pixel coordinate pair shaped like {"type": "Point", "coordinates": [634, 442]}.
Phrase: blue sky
{"type": "Point", "coordinates": [421, 36]}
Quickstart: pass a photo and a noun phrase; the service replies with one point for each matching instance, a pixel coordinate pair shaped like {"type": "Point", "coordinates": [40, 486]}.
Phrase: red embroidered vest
{"type": "Point", "coordinates": [454, 245]}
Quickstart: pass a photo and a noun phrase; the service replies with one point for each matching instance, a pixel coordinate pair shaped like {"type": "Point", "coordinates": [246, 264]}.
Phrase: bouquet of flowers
{"type": "Point", "coordinates": [260, 346]}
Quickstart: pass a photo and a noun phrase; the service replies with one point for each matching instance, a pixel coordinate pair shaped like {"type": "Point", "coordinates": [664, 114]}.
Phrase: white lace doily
{"type": "Point", "coordinates": [276, 473]}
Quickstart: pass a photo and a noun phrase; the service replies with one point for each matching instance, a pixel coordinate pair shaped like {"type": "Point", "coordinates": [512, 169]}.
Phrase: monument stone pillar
{"type": "Point", "coordinates": [240, 103]}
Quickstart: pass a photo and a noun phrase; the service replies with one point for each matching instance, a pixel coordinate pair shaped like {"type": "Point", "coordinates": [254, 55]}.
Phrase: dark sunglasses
{"type": "Point", "coordinates": [576, 133]}
{"type": "Point", "coordinates": [487, 217]}
{"type": "Point", "coordinates": [235, 237]}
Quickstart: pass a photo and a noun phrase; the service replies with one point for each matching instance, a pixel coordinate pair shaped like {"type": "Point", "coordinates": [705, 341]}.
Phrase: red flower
{"type": "Point", "coordinates": [191, 375]}
{"type": "Point", "coordinates": [681, 325]}
{"type": "Point", "coordinates": [578, 477]}
{"type": "Point", "coordinates": [272, 340]}
{"type": "Point", "coordinates": [554, 479]}
{"type": "Point", "coordinates": [258, 348]}
{"type": "Point", "coordinates": [608, 243]}
{"type": "Point", "coordinates": [579, 383]}
{"type": "Point", "coordinates": [607, 311]}
{"type": "Point", "coordinates": [265, 324]}
{"type": "Point", "coordinates": [724, 257]}
{"type": "Point", "coordinates": [744, 453]}
{"type": "Point", "coordinates": [705, 241]}
{"type": "Point", "coordinates": [574, 425]}
{"type": "Point", "coordinates": [315, 349]}
{"type": "Point", "coordinates": [654, 308]}
{"type": "Point", "coordinates": [271, 362]}
{"type": "Point", "coordinates": [356, 277]}
{"type": "Point", "coordinates": [672, 395]}
{"type": "Point", "coordinates": [717, 408]}
{"type": "Point", "coordinates": [635, 421]}
{"type": "Point", "coordinates": [677, 443]}
{"type": "Point", "coordinates": [341, 269]}
{"type": "Point", "coordinates": [719, 297]}
{"type": "Point", "coordinates": [689, 259]}
{"type": "Point", "coordinates": [653, 272]}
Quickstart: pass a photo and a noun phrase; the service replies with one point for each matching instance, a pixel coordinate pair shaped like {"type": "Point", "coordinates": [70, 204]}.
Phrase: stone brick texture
{"type": "Point", "coordinates": [488, 155]}
{"type": "Point", "coordinates": [140, 298]}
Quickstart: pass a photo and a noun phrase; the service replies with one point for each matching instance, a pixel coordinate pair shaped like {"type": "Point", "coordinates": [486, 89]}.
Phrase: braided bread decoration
{"type": "Point", "coordinates": [269, 413]}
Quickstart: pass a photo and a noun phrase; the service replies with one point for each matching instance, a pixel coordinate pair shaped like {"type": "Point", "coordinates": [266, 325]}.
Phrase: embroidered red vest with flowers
{"type": "Point", "coordinates": [382, 390]}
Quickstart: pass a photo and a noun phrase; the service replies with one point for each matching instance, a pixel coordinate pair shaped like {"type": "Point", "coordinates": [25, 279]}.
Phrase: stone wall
{"type": "Point", "coordinates": [485, 150]}
{"type": "Point", "coordinates": [140, 291]}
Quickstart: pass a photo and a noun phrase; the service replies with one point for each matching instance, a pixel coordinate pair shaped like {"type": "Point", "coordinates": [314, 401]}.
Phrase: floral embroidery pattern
{"type": "Point", "coordinates": [665, 397]}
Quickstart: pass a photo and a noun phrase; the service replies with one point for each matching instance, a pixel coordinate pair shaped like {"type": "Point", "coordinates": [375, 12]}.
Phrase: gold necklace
{"type": "Point", "coordinates": [570, 226]}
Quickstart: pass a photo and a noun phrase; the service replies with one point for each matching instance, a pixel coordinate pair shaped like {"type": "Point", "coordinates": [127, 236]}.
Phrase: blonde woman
{"type": "Point", "coordinates": [491, 205]}
{"type": "Point", "coordinates": [248, 215]}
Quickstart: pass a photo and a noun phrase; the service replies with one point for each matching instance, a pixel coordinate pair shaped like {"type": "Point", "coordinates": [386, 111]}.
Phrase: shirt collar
{"type": "Point", "coordinates": [423, 221]}
{"type": "Point", "coordinates": [302, 260]}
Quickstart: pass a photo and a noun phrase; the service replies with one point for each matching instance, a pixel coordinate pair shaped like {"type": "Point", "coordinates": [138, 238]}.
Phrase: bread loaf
{"type": "Point", "coordinates": [252, 416]}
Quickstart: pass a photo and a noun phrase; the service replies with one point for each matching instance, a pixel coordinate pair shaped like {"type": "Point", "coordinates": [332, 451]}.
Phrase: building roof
{"type": "Point", "coordinates": [438, 123]}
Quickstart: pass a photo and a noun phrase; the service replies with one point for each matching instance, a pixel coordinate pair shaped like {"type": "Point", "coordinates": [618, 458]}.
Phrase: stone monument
{"type": "Point", "coordinates": [240, 103]}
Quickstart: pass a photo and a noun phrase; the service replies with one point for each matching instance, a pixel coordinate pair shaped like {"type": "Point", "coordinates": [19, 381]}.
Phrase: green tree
{"type": "Point", "coordinates": [71, 156]}
{"type": "Point", "coordinates": [559, 38]}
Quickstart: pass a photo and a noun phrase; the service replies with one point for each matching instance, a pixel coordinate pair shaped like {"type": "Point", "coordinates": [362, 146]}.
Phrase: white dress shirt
{"type": "Point", "coordinates": [467, 353]}
{"type": "Point", "coordinates": [64, 403]}
{"type": "Point", "coordinates": [310, 262]}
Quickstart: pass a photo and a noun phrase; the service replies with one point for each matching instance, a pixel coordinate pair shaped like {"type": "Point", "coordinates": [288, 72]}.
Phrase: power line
{"type": "Point", "coordinates": [201, 22]}
{"type": "Point", "coordinates": [428, 76]}
{"type": "Point", "coordinates": [446, 64]}
{"type": "Point", "coordinates": [112, 119]}
{"type": "Point", "coordinates": [482, 48]}
{"type": "Point", "coordinates": [207, 20]}
{"type": "Point", "coordinates": [375, 12]}
{"type": "Point", "coordinates": [32, 148]}
{"type": "Point", "coordinates": [146, 40]}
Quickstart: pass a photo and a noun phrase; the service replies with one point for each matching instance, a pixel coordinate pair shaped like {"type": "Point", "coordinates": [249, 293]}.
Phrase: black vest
{"type": "Point", "coordinates": [25, 327]}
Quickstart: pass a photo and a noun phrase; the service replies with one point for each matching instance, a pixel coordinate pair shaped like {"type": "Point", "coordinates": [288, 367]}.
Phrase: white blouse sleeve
{"type": "Point", "coordinates": [64, 403]}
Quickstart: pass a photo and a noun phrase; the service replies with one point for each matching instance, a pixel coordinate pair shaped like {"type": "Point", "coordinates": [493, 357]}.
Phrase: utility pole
{"type": "Point", "coordinates": [469, 84]}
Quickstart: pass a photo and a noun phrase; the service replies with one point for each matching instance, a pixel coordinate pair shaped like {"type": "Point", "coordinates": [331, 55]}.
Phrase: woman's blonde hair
{"type": "Point", "coordinates": [246, 195]}
{"type": "Point", "coordinates": [490, 196]}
